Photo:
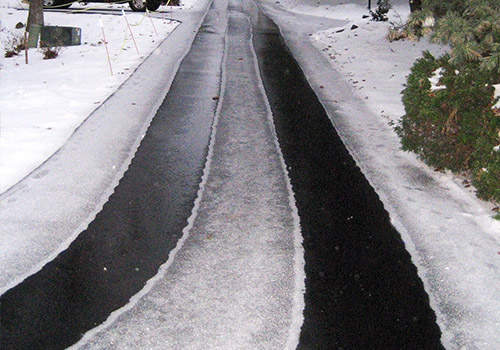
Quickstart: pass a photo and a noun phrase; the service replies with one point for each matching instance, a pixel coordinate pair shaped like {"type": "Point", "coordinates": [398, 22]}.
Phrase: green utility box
{"type": "Point", "coordinates": [52, 36]}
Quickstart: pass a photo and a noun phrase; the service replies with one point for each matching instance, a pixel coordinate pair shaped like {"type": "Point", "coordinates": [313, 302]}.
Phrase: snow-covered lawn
{"type": "Point", "coordinates": [44, 101]}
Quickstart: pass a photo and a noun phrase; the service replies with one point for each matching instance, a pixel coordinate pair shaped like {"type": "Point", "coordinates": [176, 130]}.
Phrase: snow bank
{"type": "Point", "coordinates": [44, 101]}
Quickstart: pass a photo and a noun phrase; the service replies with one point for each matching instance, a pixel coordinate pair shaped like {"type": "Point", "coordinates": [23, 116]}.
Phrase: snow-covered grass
{"type": "Point", "coordinates": [376, 68]}
{"type": "Point", "coordinates": [44, 101]}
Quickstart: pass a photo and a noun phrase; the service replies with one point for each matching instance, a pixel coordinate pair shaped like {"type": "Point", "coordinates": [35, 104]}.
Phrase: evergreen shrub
{"type": "Point", "coordinates": [440, 7]}
{"type": "Point", "coordinates": [487, 179]}
{"type": "Point", "coordinates": [454, 125]}
{"type": "Point", "coordinates": [451, 125]}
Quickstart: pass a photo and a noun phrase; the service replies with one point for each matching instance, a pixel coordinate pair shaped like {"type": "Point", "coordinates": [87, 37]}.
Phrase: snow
{"type": "Point", "coordinates": [497, 95]}
{"type": "Point", "coordinates": [358, 76]}
{"type": "Point", "coordinates": [435, 80]}
{"type": "Point", "coordinates": [376, 68]}
{"type": "Point", "coordinates": [33, 123]}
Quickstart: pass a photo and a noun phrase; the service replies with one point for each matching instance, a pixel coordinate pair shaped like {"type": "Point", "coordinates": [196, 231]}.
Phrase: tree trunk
{"type": "Point", "coordinates": [35, 17]}
{"type": "Point", "coordinates": [415, 5]}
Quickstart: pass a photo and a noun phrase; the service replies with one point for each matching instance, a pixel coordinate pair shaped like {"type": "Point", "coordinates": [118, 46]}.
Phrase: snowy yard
{"type": "Point", "coordinates": [44, 101]}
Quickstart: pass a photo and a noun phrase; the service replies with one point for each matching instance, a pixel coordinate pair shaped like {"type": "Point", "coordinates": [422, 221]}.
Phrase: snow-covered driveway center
{"type": "Point", "coordinates": [231, 285]}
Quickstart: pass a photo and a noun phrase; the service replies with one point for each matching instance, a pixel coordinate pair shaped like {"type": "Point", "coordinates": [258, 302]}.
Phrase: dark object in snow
{"type": "Point", "coordinates": [380, 14]}
{"type": "Point", "coordinates": [339, 31]}
{"type": "Point", "coordinates": [50, 53]}
{"type": "Point", "coordinates": [19, 25]}
{"type": "Point", "coordinates": [10, 53]}
{"type": "Point", "coordinates": [354, 27]}
{"type": "Point", "coordinates": [14, 46]}
{"type": "Point", "coordinates": [53, 36]}
{"type": "Point", "coordinates": [365, 16]}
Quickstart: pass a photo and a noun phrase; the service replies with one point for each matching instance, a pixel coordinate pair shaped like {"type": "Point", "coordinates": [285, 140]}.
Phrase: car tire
{"type": "Point", "coordinates": [137, 5]}
{"type": "Point", "coordinates": [152, 5]}
{"type": "Point", "coordinates": [57, 4]}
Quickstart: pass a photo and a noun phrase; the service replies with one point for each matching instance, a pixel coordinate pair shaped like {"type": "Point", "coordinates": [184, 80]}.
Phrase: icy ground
{"type": "Point", "coordinates": [356, 73]}
{"type": "Point", "coordinates": [65, 191]}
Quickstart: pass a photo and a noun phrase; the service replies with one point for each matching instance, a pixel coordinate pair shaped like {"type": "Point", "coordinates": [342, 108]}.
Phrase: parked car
{"type": "Point", "coordinates": [135, 5]}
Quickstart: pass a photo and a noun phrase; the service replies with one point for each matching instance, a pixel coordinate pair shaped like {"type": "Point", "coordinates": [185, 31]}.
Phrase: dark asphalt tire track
{"type": "Point", "coordinates": [362, 290]}
{"type": "Point", "coordinates": [139, 225]}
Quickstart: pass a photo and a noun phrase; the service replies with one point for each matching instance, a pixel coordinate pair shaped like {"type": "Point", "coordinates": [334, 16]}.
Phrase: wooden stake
{"type": "Point", "coordinates": [106, 46]}
{"type": "Point", "coordinates": [147, 12]}
{"type": "Point", "coordinates": [130, 30]}
{"type": "Point", "coordinates": [26, 46]}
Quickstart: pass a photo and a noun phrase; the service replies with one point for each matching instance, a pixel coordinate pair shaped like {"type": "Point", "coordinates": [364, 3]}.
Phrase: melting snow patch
{"type": "Point", "coordinates": [497, 94]}
{"type": "Point", "coordinates": [435, 80]}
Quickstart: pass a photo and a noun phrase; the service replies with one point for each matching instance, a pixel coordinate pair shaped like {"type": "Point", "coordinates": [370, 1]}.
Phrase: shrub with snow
{"type": "Point", "coordinates": [450, 120]}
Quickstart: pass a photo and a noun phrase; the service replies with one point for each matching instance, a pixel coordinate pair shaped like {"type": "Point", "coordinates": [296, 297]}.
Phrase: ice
{"type": "Point", "coordinates": [235, 280]}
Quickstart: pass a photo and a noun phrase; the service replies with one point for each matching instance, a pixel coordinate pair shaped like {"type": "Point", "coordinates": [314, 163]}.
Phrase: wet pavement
{"type": "Point", "coordinates": [234, 282]}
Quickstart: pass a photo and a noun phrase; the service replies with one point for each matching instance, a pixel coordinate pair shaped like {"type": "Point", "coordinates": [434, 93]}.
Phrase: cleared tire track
{"type": "Point", "coordinates": [362, 290]}
{"type": "Point", "coordinates": [143, 220]}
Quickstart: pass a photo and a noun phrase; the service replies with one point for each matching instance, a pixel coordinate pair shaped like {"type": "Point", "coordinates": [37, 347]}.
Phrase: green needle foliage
{"type": "Point", "coordinates": [473, 34]}
{"type": "Point", "coordinates": [455, 125]}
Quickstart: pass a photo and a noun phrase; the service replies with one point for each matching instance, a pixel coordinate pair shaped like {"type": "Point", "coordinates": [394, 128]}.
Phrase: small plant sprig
{"type": "Point", "coordinates": [14, 44]}
{"type": "Point", "coordinates": [380, 14]}
{"type": "Point", "coordinates": [397, 30]}
{"type": "Point", "coordinates": [50, 52]}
